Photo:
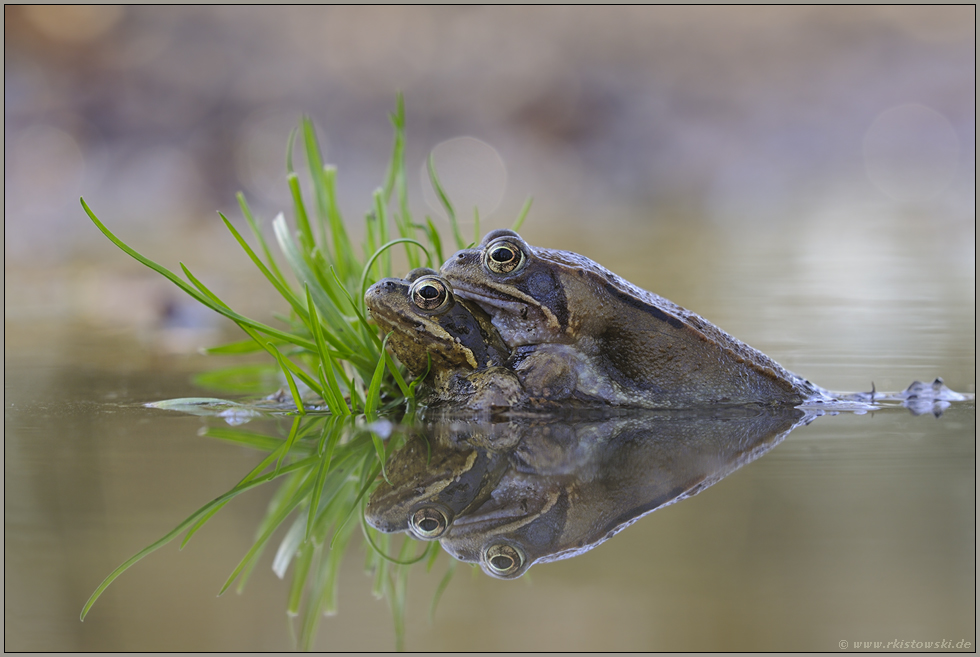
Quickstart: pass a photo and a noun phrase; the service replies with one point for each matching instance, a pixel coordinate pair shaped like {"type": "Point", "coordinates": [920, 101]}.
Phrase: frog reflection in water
{"type": "Point", "coordinates": [580, 332]}
{"type": "Point", "coordinates": [561, 488]}
{"type": "Point", "coordinates": [433, 479]}
{"type": "Point", "coordinates": [451, 340]}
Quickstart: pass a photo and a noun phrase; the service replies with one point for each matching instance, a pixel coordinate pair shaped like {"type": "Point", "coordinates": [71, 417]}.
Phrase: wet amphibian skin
{"type": "Point", "coordinates": [430, 481]}
{"type": "Point", "coordinates": [433, 331]}
{"type": "Point", "coordinates": [562, 486]}
{"type": "Point", "coordinates": [579, 332]}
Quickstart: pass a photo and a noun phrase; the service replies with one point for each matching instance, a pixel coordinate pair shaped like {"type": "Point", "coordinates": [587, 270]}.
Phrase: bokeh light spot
{"type": "Point", "coordinates": [471, 172]}
{"type": "Point", "coordinates": [911, 152]}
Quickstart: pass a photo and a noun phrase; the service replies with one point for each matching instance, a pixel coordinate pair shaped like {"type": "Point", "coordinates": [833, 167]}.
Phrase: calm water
{"type": "Point", "coordinates": [853, 528]}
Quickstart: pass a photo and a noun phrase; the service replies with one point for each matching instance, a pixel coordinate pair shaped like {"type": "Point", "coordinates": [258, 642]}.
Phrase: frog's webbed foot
{"type": "Point", "coordinates": [494, 388]}
{"type": "Point", "coordinates": [920, 398]}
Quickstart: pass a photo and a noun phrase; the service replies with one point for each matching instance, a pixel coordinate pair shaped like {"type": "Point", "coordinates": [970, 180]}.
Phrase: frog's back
{"type": "Point", "coordinates": [665, 350]}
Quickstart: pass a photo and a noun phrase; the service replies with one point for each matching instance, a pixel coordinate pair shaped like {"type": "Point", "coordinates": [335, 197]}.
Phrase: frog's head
{"type": "Point", "coordinates": [428, 323]}
{"type": "Point", "coordinates": [429, 482]}
{"type": "Point", "coordinates": [522, 288]}
{"type": "Point", "coordinates": [521, 523]}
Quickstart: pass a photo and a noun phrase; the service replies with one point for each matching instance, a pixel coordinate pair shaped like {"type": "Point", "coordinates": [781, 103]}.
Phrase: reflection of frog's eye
{"type": "Point", "coordinates": [428, 522]}
{"type": "Point", "coordinates": [503, 257]}
{"type": "Point", "coordinates": [504, 560]}
{"type": "Point", "coordinates": [430, 293]}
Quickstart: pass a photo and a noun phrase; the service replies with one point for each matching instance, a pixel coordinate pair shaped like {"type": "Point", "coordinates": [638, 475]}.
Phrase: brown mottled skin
{"type": "Point", "coordinates": [580, 332]}
{"type": "Point", "coordinates": [455, 343]}
{"type": "Point", "coordinates": [559, 487]}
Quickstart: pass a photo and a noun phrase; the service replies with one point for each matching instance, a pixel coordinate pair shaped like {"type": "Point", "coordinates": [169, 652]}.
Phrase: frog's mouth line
{"type": "Point", "coordinates": [506, 517]}
{"type": "Point", "coordinates": [494, 302]}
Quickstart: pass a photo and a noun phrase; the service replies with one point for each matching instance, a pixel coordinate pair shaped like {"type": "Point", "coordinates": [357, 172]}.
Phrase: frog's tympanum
{"type": "Point", "coordinates": [565, 487]}
{"type": "Point", "coordinates": [452, 340]}
{"type": "Point", "coordinates": [578, 331]}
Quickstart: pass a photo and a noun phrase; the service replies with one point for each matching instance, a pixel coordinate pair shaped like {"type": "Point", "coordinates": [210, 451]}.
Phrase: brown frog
{"type": "Point", "coordinates": [450, 340]}
{"type": "Point", "coordinates": [433, 478]}
{"type": "Point", "coordinates": [570, 485]}
{"type": "Point", "coordinates": [580, 332]}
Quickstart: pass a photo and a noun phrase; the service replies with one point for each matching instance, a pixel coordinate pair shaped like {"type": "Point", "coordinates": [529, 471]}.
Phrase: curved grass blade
{"type": "Point", "coordinates": [444, 199]}
{"type": "Point", "coordinates": [239, 347]}
{"type": "Point", "coordinates": [297, 399]}
{"type": "Point", "coordinates": [382, 249]}
{"type": "Point", "coordinates": [381, 553]}
{"type": "Point", "coordinates": [253, 224]}
{"type": "Point", "coordinates": [281, 288]}
{"type": "Point", "coordinates": [304, 561]}
{"type": "Point", "coordinates": [289, 441]}
{"type": "Point", "coordinates": [523, 214]}
{"type": "Point", "coordinates": [434, 239]}
{"type": "Point", "coordinates": [441, 588]}
{"type": "Point", "coordinates": [274, 456]}
{"type": "Point", "coordinates": [169, 536]}
{"type": "Point", "coordinates": [374, 390]}
{"type": "Point", "coordinates": [222, 309]}
{"type": "Point", "coordinates": [285, 364]}
{"type": "Point", "coordinates": [274, 522]}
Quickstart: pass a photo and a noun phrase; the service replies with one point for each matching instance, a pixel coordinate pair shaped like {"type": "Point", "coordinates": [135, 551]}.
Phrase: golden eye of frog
{"type": "Point", "coordinates": [581, 332]}
{"type": "Point", "coordinates": [572, 485]}
{"type": "Point", "coordinates": [432, 330]}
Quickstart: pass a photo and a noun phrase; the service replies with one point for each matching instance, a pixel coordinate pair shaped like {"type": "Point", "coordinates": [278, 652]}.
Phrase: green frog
{"type": "Point", "coordinates": [579, 332]}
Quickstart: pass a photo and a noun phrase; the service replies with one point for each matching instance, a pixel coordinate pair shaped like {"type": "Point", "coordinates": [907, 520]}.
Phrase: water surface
{"type": "Point", "coordinates": [854, 527]}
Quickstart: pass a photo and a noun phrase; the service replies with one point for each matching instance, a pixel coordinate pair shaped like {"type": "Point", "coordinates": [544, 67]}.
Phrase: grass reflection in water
{"type": "Point", "coordinates": [333, 359]}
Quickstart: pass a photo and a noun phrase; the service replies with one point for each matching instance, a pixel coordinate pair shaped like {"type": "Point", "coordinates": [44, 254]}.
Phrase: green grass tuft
{"type": "Point", "coordinates": [332, 456]}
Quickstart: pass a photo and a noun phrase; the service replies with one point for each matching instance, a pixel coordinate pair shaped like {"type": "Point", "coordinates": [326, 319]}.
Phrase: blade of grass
{"type": "Point", "coordinates": [374, 390]}
{"type": "Point", "coordinates": [401, 562]}
{"type": "Point", "coordinates": [281, 288]}
{"type": "Point", "coordinates": [297, 399]}
{"type": "Point", "coordinates": [435, 240]}
{"type": "Point", "coordinates": [302, 220]}
{"type": "Point", "coordinates": [523, 214]}
{"type": "Point", "coordinates": [444, 200]}
{"type": "Point", "coordinates": [169, 536]}
{"type": "Point", "coordinates": [253, 224]}
{"type": "Point", "coordinates": [441, 588]}
{"type": "Point", "coordinates": [275, 521]}
{"type": "Point", "coordinates": [239, 347]}
{"type": "Point", "coordinates": [222, 309]}
{"type": "Point", "coordinates": [289, 546]}
{"type": "Point", "coordinates": [285, 364]}
{"type": "Point", "coordinates": [382, 249]}
{"type": "Point", "coordinates": [304, 560]}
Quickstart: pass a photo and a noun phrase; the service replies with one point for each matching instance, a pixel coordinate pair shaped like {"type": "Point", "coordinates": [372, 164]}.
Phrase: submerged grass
{"type": "Point", "coordinates": [339, 376]}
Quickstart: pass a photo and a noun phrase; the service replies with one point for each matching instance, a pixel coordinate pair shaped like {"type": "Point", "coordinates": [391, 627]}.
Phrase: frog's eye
{"type": "Point", "coordinates": [504, 560]}
{"type": "Point", "coordinates": [503, 257]}
{"type": "Point", "coordinates": [430, 293]}
{"type": "Point", "coordinates": [429, 522]}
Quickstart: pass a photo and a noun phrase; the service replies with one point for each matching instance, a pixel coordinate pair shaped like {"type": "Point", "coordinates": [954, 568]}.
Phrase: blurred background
{"type": "Point", "coordinates": [802, 176]}
{"type": "Point", "coordinates": [618, 119]}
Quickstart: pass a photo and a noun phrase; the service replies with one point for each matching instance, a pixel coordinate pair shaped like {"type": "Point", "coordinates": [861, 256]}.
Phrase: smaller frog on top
{"type": "Point", "coordinates": [453, 341]}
